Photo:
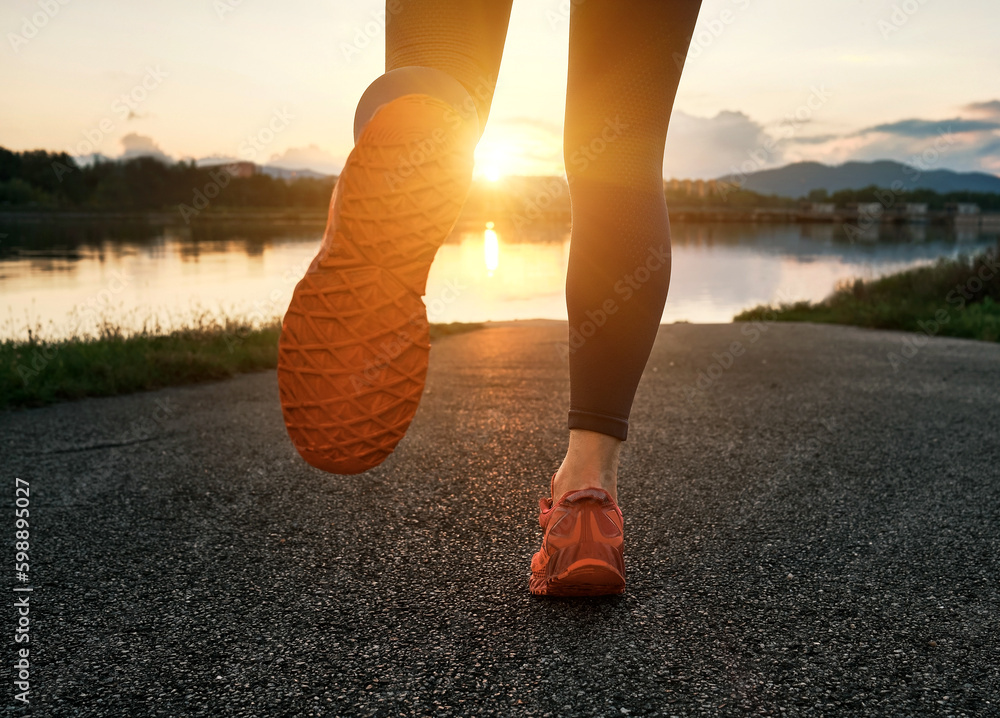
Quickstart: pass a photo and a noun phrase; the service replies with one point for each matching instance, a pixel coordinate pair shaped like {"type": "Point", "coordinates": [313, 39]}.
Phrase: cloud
{"type": "Point", "coordinates": [308, 158]}
{"type": "Point", "coordinates": [136, 145]}
{"type": "Point", "coordinates": [979, 152]}
{"type": "Point", "coordinates": [990, 107]}
{"type": "Point", "coordinates": [733, 143]}
{"type": "Point", "coordinates": [932, 128]}
{"type": "Point", "coordinates": [812, 139]}
{"type": "Point", "coordinates": [715, 146]}
{"type": "Point", "coordinates": [957, 143]}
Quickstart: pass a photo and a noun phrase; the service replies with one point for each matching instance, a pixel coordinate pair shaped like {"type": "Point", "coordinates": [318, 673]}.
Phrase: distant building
{"type": "Point", "coordinates": [962, 208]}
{"type": "Point", "coordinates": [964, 214]}
{"type": "Point", "coordinates": [817, 211]}
{"type": "Point", "coordinates": [990, 220]}
{"type": "Point", "coordinates": [913, 209]}
{"type": "Point", "coordinates": [819, 207]}
{"type": "Point", "coordinates": [908, 213]}
{"type": "Point", "coordinates": [867, 210]}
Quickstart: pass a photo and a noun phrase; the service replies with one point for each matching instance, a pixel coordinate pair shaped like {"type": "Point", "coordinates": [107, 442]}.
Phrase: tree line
{"type": "Point", "coordinates": [54, 180]}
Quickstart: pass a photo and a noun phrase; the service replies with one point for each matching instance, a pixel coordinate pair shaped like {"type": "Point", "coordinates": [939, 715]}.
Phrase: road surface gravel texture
{"type": "Point", "coordinates": [812, 529]}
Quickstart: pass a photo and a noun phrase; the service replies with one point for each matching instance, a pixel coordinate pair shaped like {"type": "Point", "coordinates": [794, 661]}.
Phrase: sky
{"type": "Point", "coordinates": [766, 82]}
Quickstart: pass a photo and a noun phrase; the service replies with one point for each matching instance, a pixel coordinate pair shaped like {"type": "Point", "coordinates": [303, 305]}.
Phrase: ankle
{"type": "Point", "coordinates": [410, 80]}
{"type": "Point", "coordinates": [570, 480]}
{"type": "Point", "coordinates": [591, 462]}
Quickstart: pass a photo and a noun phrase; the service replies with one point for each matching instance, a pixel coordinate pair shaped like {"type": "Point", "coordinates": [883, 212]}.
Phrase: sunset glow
{"type": "Point", "coordinates": [95, 80]}
{"type": "Point", "coordinates": [496, 159]}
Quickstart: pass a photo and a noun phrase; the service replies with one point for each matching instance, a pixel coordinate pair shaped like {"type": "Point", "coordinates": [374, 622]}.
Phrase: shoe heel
{"type": "Point", "coordinates": [586, 554]}
{"type": "Point", "coordinates": [403, 199]}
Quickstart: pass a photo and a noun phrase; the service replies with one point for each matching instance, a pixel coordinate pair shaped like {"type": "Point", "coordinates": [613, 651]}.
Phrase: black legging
{"type": "Point", "coordinates": [624, 68]}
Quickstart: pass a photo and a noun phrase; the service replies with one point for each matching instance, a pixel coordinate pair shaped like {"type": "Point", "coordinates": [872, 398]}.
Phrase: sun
{"type": "Point", "coordinates": [493, 160]}
{"type": "Point", "coordinates": [492, 172]}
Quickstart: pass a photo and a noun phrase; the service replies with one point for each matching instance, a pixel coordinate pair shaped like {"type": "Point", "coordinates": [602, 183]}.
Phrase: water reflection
{"type": "Point", "coordinates": [491, 248]}
{"type": "Point", "coordinates": [133, 272]}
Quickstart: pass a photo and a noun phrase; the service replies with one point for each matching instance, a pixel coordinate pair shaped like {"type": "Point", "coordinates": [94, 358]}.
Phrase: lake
{"type": "Point", "coordinates": [68, 276]}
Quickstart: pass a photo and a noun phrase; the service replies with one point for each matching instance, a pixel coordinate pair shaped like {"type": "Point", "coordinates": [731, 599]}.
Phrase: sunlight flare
{"type": "Point", "coordinates": [491, 248]}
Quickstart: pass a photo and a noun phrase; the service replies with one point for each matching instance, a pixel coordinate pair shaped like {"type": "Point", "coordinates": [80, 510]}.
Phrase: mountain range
{"type": "Point", "coordinates": [800, 178]}
{"type": "Point", "coordinates": [270, 170]}
{"type": "Point", "coordinates": [793, 180]}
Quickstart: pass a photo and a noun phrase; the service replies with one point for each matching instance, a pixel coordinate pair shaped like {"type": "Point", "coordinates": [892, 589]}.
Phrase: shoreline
{"type": "Point", "coordinates": [37, 372]}
{"type": "Point", "coordinates": [679, 214]}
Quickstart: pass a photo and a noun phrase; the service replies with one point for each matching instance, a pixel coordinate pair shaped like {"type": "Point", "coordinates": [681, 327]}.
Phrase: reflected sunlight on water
{"type": "Point", "coordinates": [134, 275]}
{"type": "Point", "coordinates": [491, 248]}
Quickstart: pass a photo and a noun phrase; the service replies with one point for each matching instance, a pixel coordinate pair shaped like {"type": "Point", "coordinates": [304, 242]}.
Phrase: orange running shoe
{"type": "Point", "coordinates": [352, 357]}
{"type": "Point", "coordinates": [582, 545]}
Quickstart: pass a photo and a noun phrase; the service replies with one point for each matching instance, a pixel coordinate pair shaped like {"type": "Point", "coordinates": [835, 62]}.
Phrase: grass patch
{"type": "Point", "coordinates": [35, 372]}
{"type": "Point", "coordinates": [952, 297]}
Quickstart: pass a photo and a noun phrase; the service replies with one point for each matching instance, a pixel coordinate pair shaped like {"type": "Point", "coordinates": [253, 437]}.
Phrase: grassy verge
{"type": "Point", "coordinates": [953, 297]}
{"type": "Point", "coordinates": [36, 372]}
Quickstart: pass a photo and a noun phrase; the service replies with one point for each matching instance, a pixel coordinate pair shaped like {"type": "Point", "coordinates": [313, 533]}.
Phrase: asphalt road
{"type": "Point", "coordinates": [815, 531]}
